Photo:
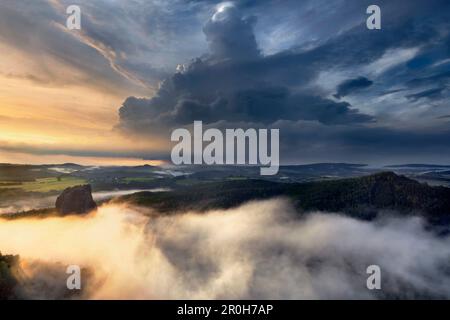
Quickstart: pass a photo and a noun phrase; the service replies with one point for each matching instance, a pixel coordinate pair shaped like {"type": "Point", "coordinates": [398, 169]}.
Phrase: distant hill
{"type": "Point", "coordinates": [365, 196]}
{"type": "Point", "coordinates": [326, 165]}
{"type": "Point", "coordinates": [204, 196]}
{"type": "Point", "coordinates": [417, 165]}
{"type": "Point", "coordinates": [26, 173]}
{"type": "Point", "coordinates": [360, 197]}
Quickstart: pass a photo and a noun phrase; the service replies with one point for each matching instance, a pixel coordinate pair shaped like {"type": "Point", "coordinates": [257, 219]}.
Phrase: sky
{"type": "Point", "coordinates": [112, 92]}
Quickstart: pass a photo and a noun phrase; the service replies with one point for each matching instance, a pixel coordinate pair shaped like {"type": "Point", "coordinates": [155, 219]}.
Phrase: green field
{"type": "Point", "coordinates": [45, 184]}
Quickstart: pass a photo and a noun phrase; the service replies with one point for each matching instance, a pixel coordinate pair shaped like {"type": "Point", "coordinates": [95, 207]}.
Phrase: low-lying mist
{"type": "Point", "coordinates": [260, 250]}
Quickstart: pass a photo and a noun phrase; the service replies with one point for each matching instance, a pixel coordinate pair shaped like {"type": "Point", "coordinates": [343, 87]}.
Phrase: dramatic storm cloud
{"type": "Point", "coordinates": [259, 250]}
{"type": "Point", "coordinates": [247, 63]}
{"type": "Point", "coordinates": [372, 87]}
{"type": "Point", "coordinates": [235, 83]}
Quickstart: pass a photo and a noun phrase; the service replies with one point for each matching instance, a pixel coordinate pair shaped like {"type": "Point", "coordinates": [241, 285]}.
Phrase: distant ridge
{"type": "Point", "coordinates": [361, 197]}
{"type": "Point", "coordinates": [364, 196]}
{"type": "Point", "coordinates": [418, 165]}
{"type": "Point", "coordinates": [72, 165]}
{"type": "Point", "coordinates": [327, 164]}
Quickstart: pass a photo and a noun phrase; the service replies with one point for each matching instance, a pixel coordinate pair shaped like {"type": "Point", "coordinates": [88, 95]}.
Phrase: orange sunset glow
{"type": "Point", "coordinates": [50, 110]}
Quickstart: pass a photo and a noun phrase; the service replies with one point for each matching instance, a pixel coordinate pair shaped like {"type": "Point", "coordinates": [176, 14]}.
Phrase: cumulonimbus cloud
{"type": "Point", "coordinates": [234, 82]}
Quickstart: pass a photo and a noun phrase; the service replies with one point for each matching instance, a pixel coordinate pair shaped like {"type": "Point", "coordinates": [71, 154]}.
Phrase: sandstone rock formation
{"type": "Point", "coordinates": [76, 200]}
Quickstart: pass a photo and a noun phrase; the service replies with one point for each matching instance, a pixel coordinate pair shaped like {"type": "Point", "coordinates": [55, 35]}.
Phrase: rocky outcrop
{"type": "Point", "coordinates": [76, 200]}
{"type": "Point", "coordinates": [8, 281]}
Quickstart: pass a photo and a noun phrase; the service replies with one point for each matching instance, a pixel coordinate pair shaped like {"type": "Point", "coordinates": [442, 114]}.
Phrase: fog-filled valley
{"type": "Point", "coordinates": [259, 250]}
{"type": "Point", "coordinates": [223, 234]}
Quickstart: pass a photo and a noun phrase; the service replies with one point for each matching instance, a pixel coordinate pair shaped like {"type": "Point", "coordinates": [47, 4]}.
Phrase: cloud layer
{"type": "Point", "coordinates": [247, 63]}
{"type": "Point", "coordinates": [343, 83]}
{"type": "Point", "coordinates": [259, 250]}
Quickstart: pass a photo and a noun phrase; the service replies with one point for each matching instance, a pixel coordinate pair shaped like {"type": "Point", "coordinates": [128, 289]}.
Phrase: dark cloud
{"type": "Point", "coordinates": [435, 93]}
{"type": "Point", "coordinates": [349, 86]}
{"type": "Point", "coordinates": [374, 145]}
{"type": "Point", "coordinates": [283, 66]}
{"type": "Point", "coordinates": [437, 78]}
{"type": "Point", "coordinates": [237, 85]}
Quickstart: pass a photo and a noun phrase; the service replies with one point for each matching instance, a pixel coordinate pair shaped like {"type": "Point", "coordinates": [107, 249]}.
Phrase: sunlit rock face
{"type": "Point", "coordinates": [76, 200]}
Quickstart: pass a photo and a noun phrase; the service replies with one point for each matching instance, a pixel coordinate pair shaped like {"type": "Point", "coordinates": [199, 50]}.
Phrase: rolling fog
{"type": "Point", "coordinates": [259, 250]}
